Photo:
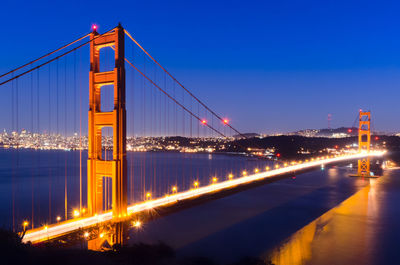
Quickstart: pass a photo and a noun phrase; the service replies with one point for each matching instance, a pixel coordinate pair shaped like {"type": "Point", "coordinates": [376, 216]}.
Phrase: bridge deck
{"type": "Point", "coordinates": [56, 230]}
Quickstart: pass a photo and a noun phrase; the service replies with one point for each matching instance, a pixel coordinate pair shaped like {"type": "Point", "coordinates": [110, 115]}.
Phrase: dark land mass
{"type": "Point", "coordinates": [14, 252]}
{"type": "Point", "coordinates": [290, 147]}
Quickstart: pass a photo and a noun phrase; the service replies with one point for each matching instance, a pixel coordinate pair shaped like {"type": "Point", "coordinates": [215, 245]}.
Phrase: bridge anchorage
{"type": "Point", "coordinates": [98, 168]}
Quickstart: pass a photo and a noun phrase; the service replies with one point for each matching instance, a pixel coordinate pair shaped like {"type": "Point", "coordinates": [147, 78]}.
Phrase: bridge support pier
{"type": "Point", "coordinates": [109, 236]}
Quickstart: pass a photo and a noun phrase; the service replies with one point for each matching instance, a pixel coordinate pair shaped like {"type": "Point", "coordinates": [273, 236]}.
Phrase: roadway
{"type": "Point", "coordinates": [56, 230]}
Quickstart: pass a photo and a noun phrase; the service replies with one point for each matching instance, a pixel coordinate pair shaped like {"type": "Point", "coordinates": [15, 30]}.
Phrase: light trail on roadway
{"type": "Point", "coordinates": [56, 230]}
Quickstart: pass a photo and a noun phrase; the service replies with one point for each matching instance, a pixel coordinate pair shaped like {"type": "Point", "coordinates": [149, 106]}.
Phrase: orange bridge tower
{"type": "Point", "coordinates": [98, 168]}
{"type": "Point", "coordinates": [364, 143]}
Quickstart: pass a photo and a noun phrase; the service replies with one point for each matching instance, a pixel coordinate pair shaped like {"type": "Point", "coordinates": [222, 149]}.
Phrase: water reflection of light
{"type": "Point", "coordinates": [333, 173]}
{"type": "Point", "coordinates": [341, 235]}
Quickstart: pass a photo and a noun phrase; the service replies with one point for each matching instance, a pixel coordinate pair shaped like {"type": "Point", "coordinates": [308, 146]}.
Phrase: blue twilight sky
{"type": "Point", "coordinates": [270, 66]}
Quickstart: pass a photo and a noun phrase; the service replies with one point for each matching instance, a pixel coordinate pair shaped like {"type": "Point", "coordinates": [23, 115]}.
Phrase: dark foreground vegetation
{"type": "Point", "coordinates": [14, 252]}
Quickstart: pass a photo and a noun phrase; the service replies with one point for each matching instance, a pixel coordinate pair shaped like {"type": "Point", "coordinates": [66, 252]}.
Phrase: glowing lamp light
{"type": "Point", "coordinates": [174, 189]}
{"type": "Point", "coordinates": [244, 173]}
{"type": "Point", "coordinates": [276, 166]}
{"type": "Point", "coordinates": [76, 213]}
{"type": "Point", "coordinates": [86, 234]}
{"type": "Point", "coordinates": [58, 218]}
{"type": "Point", "coordinates": [196, 184]}
{"type": "Point", "coordinates": [45, 227]}
{"type": "Point", "coordinates": [256, 170]}
{"type": "Point", "coordinates": [230, 176]}
{"type": "Point", "coordinates": [137, 224]}
{"type": "Point", "coordinates": [25, 224]}
{"type": "Point", "coordinates": [148, 195]}
{"type": "Point", "coordinates": [101, 235]}
{"type": "Point", "coordinates": [266, 168]}
{"type": "Point", "coordinates": [214, 179]}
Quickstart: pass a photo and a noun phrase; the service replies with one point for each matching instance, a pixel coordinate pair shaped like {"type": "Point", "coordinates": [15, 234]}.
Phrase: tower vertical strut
{"type": "Point", "coordinates": [364, 143]}
{"type": "Point", "coordinates": [98, 168]}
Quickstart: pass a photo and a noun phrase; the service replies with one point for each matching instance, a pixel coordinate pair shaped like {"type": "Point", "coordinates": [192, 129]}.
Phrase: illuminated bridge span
{"type": "Point", "coordinates": [135, 105]}
{"type": "Point", "coordinates": [54, 231]}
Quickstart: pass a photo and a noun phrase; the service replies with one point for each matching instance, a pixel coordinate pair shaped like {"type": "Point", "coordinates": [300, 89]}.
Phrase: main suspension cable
{"type": "Point", "coordinates": [172, 98]}
{"type": "Point", "coordinates": [55, 58]}
{"type": "Point", "coordinates": [190, 93]}
{"type": "Point", "coordinates": [46, 55]}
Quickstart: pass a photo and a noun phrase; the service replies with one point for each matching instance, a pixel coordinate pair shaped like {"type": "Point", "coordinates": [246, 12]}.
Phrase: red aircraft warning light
{"type": "Point", "coordinates": [376, 138]}
{"type": "Point", "coordinates": [226, 121]}
{"type": "Point", "coordinates": [94, 27]}
{"type": "Point", "coordinates": [278, 155]}
{"type": "Point", "coordinates": [204, 121]}
{"type": "Point", "coordinates": [349, 130]}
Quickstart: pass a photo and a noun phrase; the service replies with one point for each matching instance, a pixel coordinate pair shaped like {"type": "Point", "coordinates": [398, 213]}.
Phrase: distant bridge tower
{"type": "Point", "coordinates": [364, 143]}
{"type": "Point", "coordinates": [98, 168]}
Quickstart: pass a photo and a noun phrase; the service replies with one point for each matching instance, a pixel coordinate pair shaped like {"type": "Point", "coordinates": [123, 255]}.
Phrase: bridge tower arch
{"type": "Point", "coordinates": [364, 143]}
{"type": "Point", "coordinates": [97, 167]}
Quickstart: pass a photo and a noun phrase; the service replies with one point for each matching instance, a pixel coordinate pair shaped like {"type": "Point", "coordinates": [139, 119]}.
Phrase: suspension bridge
{"type": "Point", "coordinates": [135, 104]}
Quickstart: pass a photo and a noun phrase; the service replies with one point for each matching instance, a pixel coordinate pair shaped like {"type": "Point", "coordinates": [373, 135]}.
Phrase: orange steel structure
{"type": "Point", "coordinates": [364, 143]}
{"type": "Point", "coordinates": [98, 168]}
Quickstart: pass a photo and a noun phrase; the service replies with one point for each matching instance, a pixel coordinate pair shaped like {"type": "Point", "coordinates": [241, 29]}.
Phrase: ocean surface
{"type": "Point", "coordinates": [318, 217]}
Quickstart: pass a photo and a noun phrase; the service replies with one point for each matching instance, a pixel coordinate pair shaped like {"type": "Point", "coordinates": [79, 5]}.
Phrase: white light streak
{"type": "Point", "coordinates": [55, 230]}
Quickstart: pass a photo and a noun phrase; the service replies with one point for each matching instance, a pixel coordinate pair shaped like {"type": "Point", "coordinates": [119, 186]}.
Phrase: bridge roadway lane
{"type": "Point", "coordinates": [56, 230]}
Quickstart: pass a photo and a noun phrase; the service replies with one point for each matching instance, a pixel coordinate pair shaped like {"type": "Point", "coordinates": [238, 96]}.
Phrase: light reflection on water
{"type": "Point", "coordinates": [343, 235]}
